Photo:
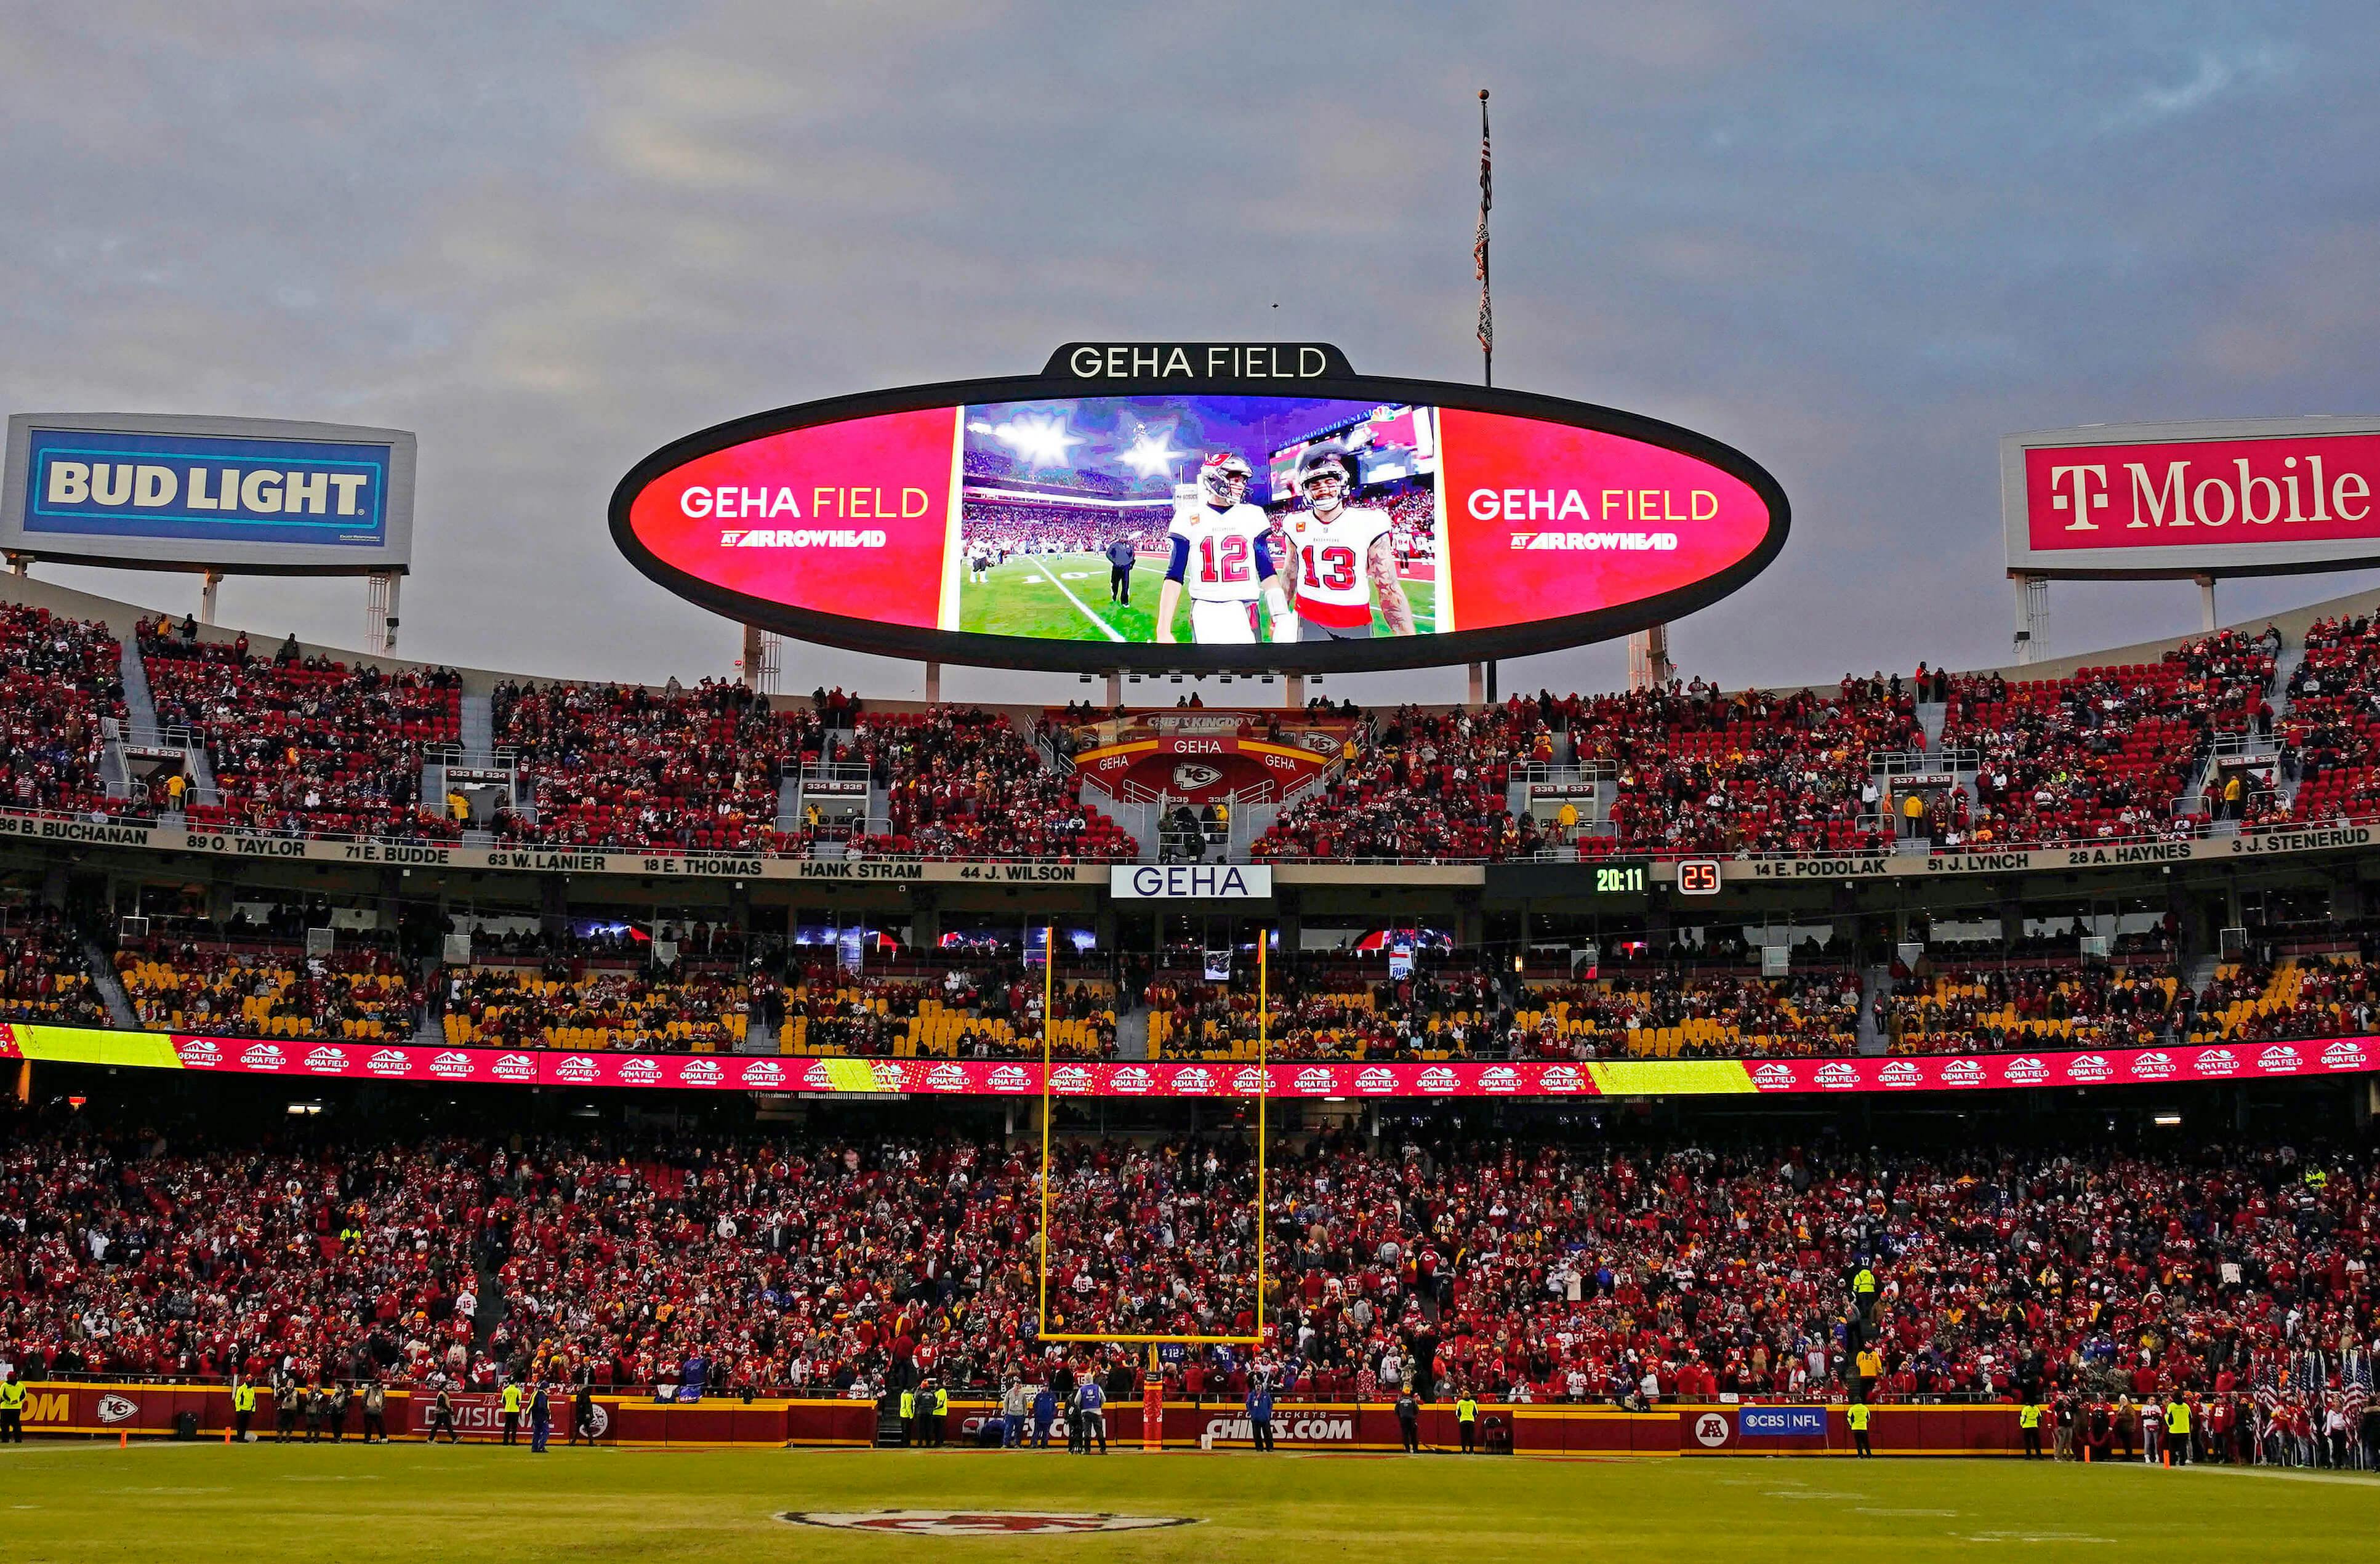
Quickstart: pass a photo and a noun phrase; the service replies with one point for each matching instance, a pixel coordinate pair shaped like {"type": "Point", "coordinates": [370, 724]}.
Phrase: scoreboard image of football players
{"type": "Point", "coordinates": [1339, 554]}
{"type": "Point", "coordinates": [1221, 557]}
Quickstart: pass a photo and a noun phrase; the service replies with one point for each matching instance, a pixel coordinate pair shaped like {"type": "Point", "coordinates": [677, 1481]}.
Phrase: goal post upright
{"type": "Point", "coordinates": [1264, 1092]}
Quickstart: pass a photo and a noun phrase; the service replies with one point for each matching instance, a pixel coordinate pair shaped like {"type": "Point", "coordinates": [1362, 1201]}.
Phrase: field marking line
{"type": "Point", "coordinates": [1047, 575]}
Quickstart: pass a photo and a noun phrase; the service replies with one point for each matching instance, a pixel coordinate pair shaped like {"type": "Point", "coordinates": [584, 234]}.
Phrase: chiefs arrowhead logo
{"type": "Point", "coordinates": [1192, 777]}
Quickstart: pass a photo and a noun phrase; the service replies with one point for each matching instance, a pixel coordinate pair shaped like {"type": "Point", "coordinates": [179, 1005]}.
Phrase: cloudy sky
{"type": "Point", "coordinates": [1858, 241]}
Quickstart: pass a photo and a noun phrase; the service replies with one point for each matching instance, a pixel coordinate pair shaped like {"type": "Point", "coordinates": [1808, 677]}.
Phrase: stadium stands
{"type": "Point", "coordinates": [1520, 1269]}
{"type": "Point", "coordinates": [58, 678]}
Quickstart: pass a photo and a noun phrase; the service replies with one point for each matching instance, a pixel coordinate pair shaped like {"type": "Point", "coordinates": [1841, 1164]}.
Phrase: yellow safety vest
{"type": "Point", "coordinates": [2177, 1418]}
{"type": "Point", "coordinates": [908, 1405]}
{"type": "Point", "coordinates": [2028, 1416]}
{"type": "Point", "coordinates": [1466, 1410]}
{"type": "Point", "coordinates": [12, 1396]}
{"type": "Point", "coordinates": [1859, 1417]}
{"type": "Point", "coordinates": [243, 1399]}
{"type": "Point", "coordinates": [512, 1398]}
{"type": "Point", "coordinates": [942, 1402]}
{"type": "Point", "coordinates": [1864, 1284]}
{"type": "Point", "coordinates": [1871, 1363]}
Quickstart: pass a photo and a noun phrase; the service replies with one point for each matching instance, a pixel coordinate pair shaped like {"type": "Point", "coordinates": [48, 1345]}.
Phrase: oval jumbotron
{"type": "Point", "coordinates": [1360, 523]}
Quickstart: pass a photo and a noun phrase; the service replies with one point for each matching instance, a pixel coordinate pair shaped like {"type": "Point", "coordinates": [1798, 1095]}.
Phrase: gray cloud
{"type": "Point", "coordinates": [1859, 241]}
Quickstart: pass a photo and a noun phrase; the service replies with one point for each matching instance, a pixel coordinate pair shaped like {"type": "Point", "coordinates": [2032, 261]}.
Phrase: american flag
{"type": "Point", "coordinates": [2357, 1388]}
{"type": "Point", "coordinates": [1479, 245]}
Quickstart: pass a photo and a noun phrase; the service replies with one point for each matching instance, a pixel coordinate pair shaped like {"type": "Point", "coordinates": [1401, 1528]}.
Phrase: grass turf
{"type": "Point", "coordinates": [355, 1505]}
{"type": "Point", "coordinates": [1028, 596]}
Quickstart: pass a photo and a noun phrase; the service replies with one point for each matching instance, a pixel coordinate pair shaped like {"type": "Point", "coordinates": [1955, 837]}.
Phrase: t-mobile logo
{"type": "Point", "coordinates": [2089, 486]}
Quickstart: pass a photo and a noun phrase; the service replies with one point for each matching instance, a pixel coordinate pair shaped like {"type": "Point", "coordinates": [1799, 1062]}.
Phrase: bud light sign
{"type": "Point", "coordinates": [221, 491]}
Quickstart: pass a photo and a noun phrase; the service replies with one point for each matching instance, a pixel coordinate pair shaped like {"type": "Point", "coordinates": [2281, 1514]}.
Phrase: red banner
{"type": "Point", "coordinates": [1178, 1078]}
{"type": "Point", "coordinates": [151, 1410]}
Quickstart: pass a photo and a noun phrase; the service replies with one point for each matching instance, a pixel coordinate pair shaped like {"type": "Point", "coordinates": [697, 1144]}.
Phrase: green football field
{"type": "Point", "coordinates": [353, 1505]}
{"type": "Point", "coordinates": [1064, 596]}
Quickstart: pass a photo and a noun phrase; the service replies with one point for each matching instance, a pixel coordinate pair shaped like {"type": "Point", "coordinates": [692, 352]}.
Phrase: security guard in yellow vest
{"type": "Point", "coordinates": [2177, 1431]}
{"type": "Point", "coordinates": [512, 1414]}
{"type": "Point", "coordinates": [1864, 1292]}
{"type": "Point", "coordinates": [12, 1410]}
{"type": "Point", "coordinates": [243, 1407]}
{"type": "Point", "coordinates": [2028, 1422]}
{"type": "Point", "coordinates": [1859, 1415]}
{"type": "Point", "coordinates": [941, 1414]}
{"type": "Point", "coordinates": [1466, 1422]}
{"type": "Point", "coordinates": [1869, 1367]}
{"type": "Point", "coordinates": [909, 1418]}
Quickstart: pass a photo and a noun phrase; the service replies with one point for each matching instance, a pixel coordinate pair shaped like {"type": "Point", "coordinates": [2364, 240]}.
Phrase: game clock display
{"type": "Point", "coordinates": [1620, 880]}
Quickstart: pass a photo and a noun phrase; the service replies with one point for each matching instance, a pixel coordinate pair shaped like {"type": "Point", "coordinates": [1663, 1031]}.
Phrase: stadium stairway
{"type": "Point", "coordinates": [430, 1032]}
{"type": "Point", "coordinates": [789, 803]}
{"type": "Point", "coordinates": [478, 730]}
{"type": "Point", "coordinates": [1132, 1033]}
{"type": "Point", "coordinates": [1932, 716]}
{"type": "Point", "coordinates": [1873, 1038]}
{"type": "Point", "coordinates": [111, 992]}
{"type": "Point", "coordinates": [139, 706]}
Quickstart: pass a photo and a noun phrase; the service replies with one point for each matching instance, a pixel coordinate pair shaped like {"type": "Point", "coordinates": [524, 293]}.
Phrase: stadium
{"type": "Point", "coordinates": [460, 1105]}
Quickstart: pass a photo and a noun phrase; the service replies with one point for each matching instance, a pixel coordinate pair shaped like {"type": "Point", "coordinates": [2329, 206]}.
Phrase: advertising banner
{"type": "Point", "coordinates": [1183, 1079]}
{"type": "Point", "coordinates": [2240, 497]}
{"type": "Point", "coordinates": [243, 493]}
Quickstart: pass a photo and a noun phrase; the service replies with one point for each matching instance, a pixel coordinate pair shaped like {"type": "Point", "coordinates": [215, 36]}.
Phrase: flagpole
{"type": "Point", "coordinates": [1479, 254]}
{"type": "Point", "coordinates": [1484, 688]}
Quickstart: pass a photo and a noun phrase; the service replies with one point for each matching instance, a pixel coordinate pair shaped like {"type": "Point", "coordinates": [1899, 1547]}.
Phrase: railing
{"type": "Point", "coordinates": [1657, 852]}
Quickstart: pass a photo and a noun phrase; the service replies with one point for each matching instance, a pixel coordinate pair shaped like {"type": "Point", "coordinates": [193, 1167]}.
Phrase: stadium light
{"type": "Point", "coordinates": [1038, 441]}
{"type": "Point", "coordinates": [1151, 454]}
{"type": "Point", "coordinates": [2169, 1120]}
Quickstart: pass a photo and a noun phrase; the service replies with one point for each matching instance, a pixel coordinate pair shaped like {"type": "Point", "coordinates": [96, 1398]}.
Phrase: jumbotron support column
{"type": "Point", "coordinates": [2032, 615]}
{"type": "Point", "coordinates": [209, 582]}
{"type": "Point", "coordinates": [933, 684]}
{"type": "Point", "coordinates": [1115, 688]}
{"type": "Point", "coordinates": [2206, 619]}
{"type": "Point", "coordinates": [1479, 684]}
{"type": "Point", "coordinates": [1650, 667]}
{"type": "Point", "coordinates": [380, 613]}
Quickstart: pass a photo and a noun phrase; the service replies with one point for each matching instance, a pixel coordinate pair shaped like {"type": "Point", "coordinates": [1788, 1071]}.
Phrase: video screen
{"type": "Point", "coordinates": [1274, 518]}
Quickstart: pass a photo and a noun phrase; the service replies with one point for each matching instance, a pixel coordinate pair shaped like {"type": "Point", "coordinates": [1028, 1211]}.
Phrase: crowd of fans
{"type": "Point", "coordinates": [2238, 1275]}
{"type": "Point", "coordinates": [43, 976]}
{"type": "Point", "coordinates": [262, 990]}
{"type": "Point", "coordinates": [301, 744]}
{"type": "Point", "coordinates": [58, 678]}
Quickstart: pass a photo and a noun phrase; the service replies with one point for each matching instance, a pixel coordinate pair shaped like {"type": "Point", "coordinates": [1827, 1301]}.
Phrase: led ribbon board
{"type": "Point", "coordinates": [1200, 506]}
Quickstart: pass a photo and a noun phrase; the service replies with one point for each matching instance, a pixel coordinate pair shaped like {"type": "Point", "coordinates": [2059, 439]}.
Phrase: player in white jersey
{"type": "Point", "coordinates": [1338, 554]}
{"type": "Point", "coordinates": [1221, 554]}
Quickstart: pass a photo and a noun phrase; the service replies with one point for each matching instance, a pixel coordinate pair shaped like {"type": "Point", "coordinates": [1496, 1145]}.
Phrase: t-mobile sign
{"type": "Point", "coordinates": [2222, 499]}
